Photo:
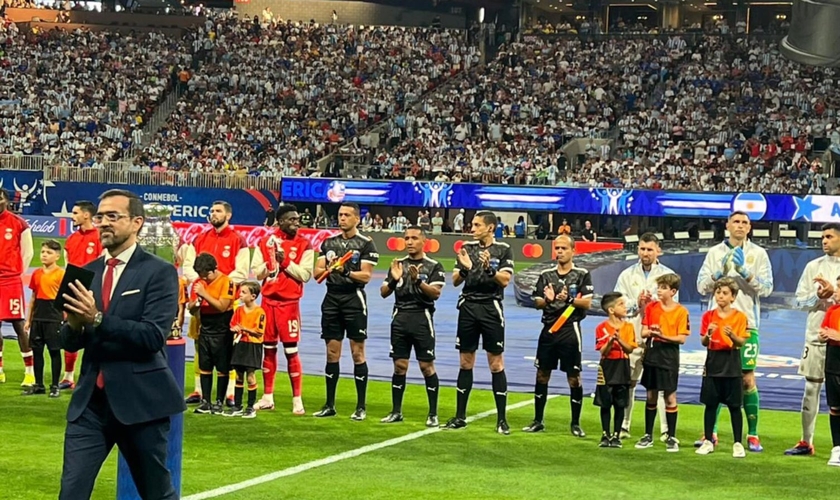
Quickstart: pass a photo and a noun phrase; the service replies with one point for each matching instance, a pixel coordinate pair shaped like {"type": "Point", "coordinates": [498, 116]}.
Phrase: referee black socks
{"type": "Point", "coordinates": [432, 385]}
{"type": "Point", "coordinates": [500, 394]}
{"type": "Point", "coordinates": [465, 382]}
{"type": "Point", "coordinates": [397, 391]}
{"type": "Point", "coordinates": [360, 373]}
{"type": "Point", "coordinates": [540, 399]}
{"type": "Point", "coordinates": [576, 401]}
{"type": "Point", "coordinates": [332, 371]}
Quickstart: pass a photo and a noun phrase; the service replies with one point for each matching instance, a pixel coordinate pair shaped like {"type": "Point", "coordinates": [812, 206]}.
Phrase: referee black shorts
{"type": "Point", "coordinates": [562, 349]}
{"type": "Point", "coordinates": [344, 313]}
{"type": "Point", "coordinates": [480, 321]}
{"type": "Point", "coordinates": [413, 329]}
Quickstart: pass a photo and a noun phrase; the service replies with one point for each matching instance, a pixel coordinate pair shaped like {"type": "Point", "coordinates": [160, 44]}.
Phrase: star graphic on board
{"type": "Point", "coordinates": [805, 208]}
{"type": "Point", "coordinates": [64, 212]}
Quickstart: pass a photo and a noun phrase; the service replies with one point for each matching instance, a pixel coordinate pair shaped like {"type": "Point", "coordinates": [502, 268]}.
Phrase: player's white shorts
{"type": "Point", "coordinates": [636, 363]}
{"type": "Point", "coordinates": [812, 363]}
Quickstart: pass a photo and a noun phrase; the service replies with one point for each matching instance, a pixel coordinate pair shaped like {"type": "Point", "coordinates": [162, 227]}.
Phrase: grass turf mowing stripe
{"type": "Point", "coordinates": [224, 490]}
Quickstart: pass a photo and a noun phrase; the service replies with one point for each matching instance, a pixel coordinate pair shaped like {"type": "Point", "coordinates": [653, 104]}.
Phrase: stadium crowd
{"type": "Point", "coordinates": [83, 105]}
{"type": "Point", "coordinates": [323, 83]}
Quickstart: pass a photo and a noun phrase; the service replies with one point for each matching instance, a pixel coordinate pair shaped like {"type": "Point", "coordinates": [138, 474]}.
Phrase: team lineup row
{"type": "Point", "coordinates": [647, 306]}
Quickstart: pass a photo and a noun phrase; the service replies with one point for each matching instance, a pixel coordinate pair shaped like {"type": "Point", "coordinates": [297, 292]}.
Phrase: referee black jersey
{"type": "Point", "coordinates": [408, 296]}
{"type": "Point", "coordinates": [577, 281]}
{"type": "Point", "coordinates": [364, 250]}
{"type": "Point", "coordinates": [479, 286]}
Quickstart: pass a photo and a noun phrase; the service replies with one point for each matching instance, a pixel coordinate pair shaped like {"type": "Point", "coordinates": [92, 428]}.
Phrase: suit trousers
{"type": "Point", "coordinates": [89, 439]}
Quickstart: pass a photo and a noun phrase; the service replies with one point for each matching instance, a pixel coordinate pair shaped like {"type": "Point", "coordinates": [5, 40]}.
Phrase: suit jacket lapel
{"type": "Point", "coordinates": [96, 284]}
{"type": "Point", "coordinates": [128, 276]}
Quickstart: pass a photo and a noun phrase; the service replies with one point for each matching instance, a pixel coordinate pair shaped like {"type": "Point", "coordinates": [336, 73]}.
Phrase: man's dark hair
{"type": "Point", "coordinates": [415, 227]}
{"type": "Point", "coordinates": [738, 212]}
{"type": "Point", "coordinates": [833, 226]}
{"type": "Point", "coordinates": [226, 205]}
{"type": "Point", "coordinates": [609, 300]}
{"type": "Point", "coordinates": [205, 263]}
{"type": "Point", "coordinates": [671, 280]}
{"type": "Point", "coordinates": [488, 218]}
{"type": "Point", "coordinates": [86, 206]}
{"type": "Point", "coordinates": [135, 204]}
{"type": "Point", "coordinates": [4, 195]}
{"type": "Point", "coordinates": [283, 210]}
{"type": "Point", "coordinates": [649, 238]}
{"type": "Point", "coordinates": [354, 206]}
{"type": "Point", "coordinates": [52, 245]}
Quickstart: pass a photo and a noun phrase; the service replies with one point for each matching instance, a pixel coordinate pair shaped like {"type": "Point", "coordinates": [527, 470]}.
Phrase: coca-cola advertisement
{"type": "Point", "coordinates": [188, 231]}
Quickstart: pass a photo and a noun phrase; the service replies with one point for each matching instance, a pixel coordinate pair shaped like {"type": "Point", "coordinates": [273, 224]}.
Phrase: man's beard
{"type": "Point", "coordinates": [290, 232]}
{"type": "Point", "coordinates": [115, 240]}
{"type": "Point", "coordinates": [217, 223]}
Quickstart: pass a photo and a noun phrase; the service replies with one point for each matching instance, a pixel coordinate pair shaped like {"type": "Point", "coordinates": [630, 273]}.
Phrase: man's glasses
{"type": "Point", "coordinates": [111, 217]}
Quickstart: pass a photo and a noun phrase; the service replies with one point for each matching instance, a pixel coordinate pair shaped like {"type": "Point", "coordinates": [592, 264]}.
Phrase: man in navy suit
{"type": "Point", "coordinates": [126, 392]}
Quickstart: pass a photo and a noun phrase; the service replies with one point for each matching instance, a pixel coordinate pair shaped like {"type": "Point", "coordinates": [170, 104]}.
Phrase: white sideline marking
{"type": "Point", "coordinates": [224, 490]}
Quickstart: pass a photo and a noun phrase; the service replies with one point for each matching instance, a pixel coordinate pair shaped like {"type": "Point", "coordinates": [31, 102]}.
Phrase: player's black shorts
{"type": "Point", "coordinates": [215, 351]}
{"type": "Point", "coordinates": [344, 312]}
{"type": "Point", "coordinates": [483, 321]}
{"type": "Point", "coordinates": [660, 379]}
{"type": "Point", "coordinates": [45, 334]}
{"type": "Point", "coordinates": [727, 391]}
{"type": "Point", "coordinates": [612, 395]}
{"type": "Point", "coordinates": [562, 348]}
{"type": "Point", "coordinates": [413, 329]}
{"type": "Point", "coordinates": [832, 390]}
{"type": "Point", "coordinates": [246, 356]}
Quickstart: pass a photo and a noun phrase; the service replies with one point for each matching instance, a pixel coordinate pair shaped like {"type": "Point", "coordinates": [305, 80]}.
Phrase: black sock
{"type": "Point", "coordinates": [206, 386]}
{"type": "Point", "coordinates": [709, 417]}
{"type": "Point", "coordinates": [332, 372]}
{"type": "Point", "coordinates": [55, 366]}
{"type": "Point", "coordinates": [540, 400]}
{"type": "Point", "coordinates": [221, 386]}
{"type": "Point", "coordinates": [465, 382]}
{"type": "Point", "coordinates": [432, 386]}
{"type": "Point", "coordinates": [606, 419]}
{"type": "Point", "coordinates": [834, 422]}
{"type": "Point", "coordinates": [576, 401]}
{"type": "Point", "coordinates": [252, 397]}
{"type": "Point", "coordinates": [397, 391]}
{"type": "Point", "coordinates": [650, 418]}
{"type": "Point", "coordinates": [500, 394]}
{"type": "Point", "coordinates": [671, 418]}
{"type": "Point", "coordinates": [360, 374]}
{"type": "Point", "coordinates": [737, 423]}
{"type": "Point", "coordinates": [38, 364]}
{"type": "Point", "coordinates": [237, 394]}
{"type": "Point", "coordinates": [619, 418]}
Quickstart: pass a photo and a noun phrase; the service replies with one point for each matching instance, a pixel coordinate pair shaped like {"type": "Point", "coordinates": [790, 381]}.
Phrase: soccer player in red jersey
{"type": "Point", "coordinates": [16, 249]}
{"type": "Point", "coordinates": [81, 248]}
{"type": "Point", "coordinates": [284, 261]}
{"type": "Point", "coordinates": [233, 258]}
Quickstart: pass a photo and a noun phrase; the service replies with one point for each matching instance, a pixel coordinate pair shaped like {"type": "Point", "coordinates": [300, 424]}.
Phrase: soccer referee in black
{"type": "Point", "coordinates": [416, 282]}
{"type": "Point", "coordinates": [485, 267]}
{"type": "Point", "coordinates": [344, 309]}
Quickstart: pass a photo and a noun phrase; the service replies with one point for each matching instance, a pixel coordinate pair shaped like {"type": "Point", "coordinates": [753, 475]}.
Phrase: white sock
{"type": "Point", "coordinates": [231, 387]}
{"type": "Point", "coordinates": [810, 409]}
{"type": "Point", "coordinates": [69, 376]}
{"type": "Point", "coordinates": [198, 384]}
{"type": "Point", "coordinates": [663, 420]}
{"type": "Point", "coordinates": [1, 361]}
{"type": "Point", "coordinates": [628, 412]}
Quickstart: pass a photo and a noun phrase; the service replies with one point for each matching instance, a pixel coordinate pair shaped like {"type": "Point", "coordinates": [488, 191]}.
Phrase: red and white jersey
{"type": "Point", "coordinates": [82, 247]}
{"type": "Point", "coordinates": [228, 247]}
{"type": "Point", "coordinates": [15, 245]}
{"type": "Point", "coordinates": [287, 277]}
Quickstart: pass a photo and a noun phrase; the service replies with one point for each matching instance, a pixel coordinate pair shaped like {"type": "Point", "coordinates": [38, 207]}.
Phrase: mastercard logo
{"type": "Point", "coordinates": [398, 245]}
{"type": "Point", "coordinates": [532, 251]}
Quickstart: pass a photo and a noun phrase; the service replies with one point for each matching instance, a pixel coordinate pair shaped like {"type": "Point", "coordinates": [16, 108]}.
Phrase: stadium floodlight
{"type": "Point", "coordinates": [813, 38]}
{"type": "Point", "coordinates": [481, 15]}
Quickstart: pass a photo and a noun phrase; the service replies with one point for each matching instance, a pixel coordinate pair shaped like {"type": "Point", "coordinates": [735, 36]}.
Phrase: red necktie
{"type": "Point", "coordinates": [107, 285]}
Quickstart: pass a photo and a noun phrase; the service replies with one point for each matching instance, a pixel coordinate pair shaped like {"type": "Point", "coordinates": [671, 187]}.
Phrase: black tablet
{"type": "Point", "coordinates": [71, 274]}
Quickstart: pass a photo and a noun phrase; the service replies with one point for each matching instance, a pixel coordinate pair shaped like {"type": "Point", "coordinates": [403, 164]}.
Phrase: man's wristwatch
{"type": "Point", "coordinates": [97, 320]}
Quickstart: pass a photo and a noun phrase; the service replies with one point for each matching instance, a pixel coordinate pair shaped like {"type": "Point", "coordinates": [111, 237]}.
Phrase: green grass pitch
{"type": "Point", "coordinates": [474, 463]}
